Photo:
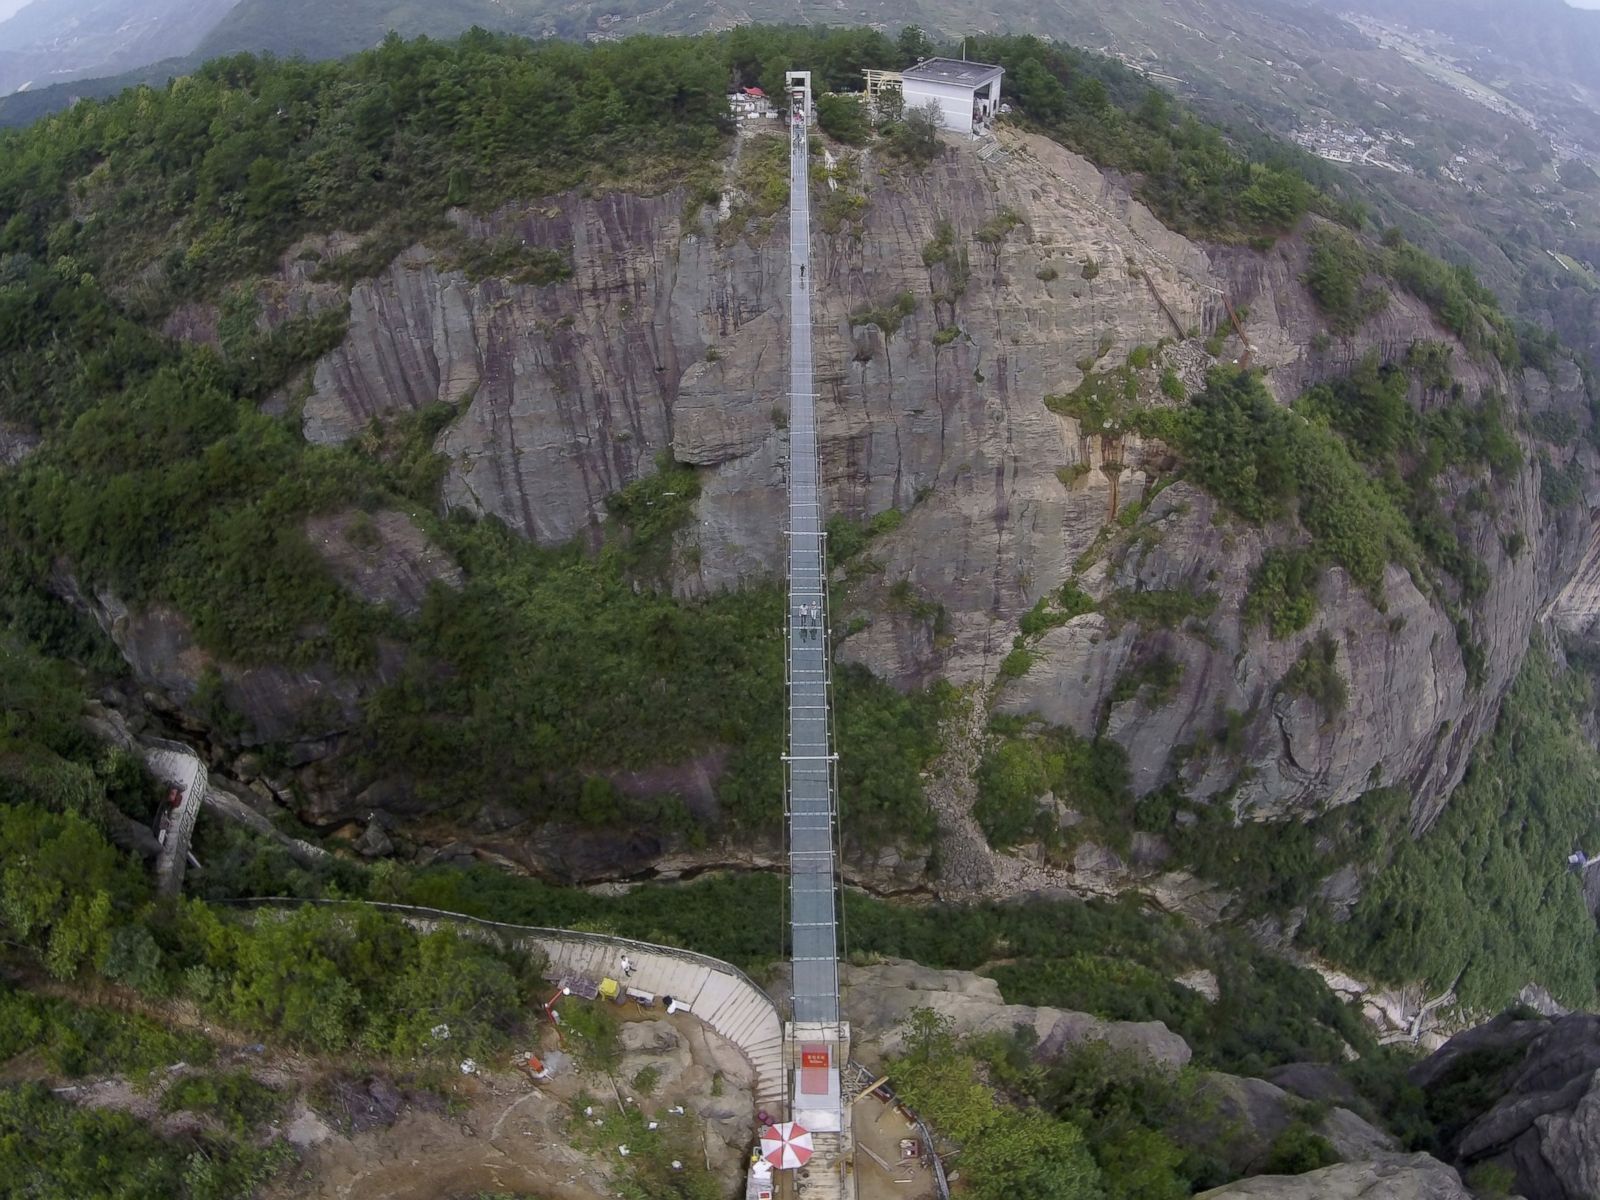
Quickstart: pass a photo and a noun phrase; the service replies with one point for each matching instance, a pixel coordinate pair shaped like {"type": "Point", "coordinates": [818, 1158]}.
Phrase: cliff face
{"type": "Point", "coordinates": [1530, 1090]}
{"type": "Point", "coordinates": [668, 338]}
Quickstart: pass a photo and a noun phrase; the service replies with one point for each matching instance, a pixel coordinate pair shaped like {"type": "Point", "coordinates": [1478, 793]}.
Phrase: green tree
{"type": "Point", "coordinates": [1030, 1156]}
{"type": "Point", "coordinates": [912, 46]}
{"type": "Point", "coordinates": [843, 116]}
{"type": "Point", "coordinates": [916, 136]}
{"type": "Point", "coordinates": [60, 884]}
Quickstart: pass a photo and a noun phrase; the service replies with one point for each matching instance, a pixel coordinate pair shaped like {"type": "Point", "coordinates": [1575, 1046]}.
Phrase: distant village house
{"type": "Point", "coordinates": [749, 104]}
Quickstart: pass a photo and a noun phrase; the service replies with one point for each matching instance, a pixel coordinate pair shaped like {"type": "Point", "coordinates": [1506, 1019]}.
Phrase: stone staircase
{"type": "Point", "coordinates": [826, 1176]}
{"type": "Point", "coordinates": [177, 766]}
{"type": "Point", "coordinates": [721, 997]}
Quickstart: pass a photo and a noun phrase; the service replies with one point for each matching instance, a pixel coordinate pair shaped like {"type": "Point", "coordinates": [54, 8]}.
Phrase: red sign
{"type": "Point", "coordinates": [814, 1058]}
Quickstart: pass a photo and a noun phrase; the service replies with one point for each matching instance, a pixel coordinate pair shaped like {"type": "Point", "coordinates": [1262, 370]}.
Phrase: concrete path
{"type": "Point", "coordinates": [718, 993]}
{"type": "Point", "coordinates": [176, 766]}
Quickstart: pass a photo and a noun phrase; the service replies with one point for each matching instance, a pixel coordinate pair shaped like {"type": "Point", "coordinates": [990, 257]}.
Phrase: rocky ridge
{"type": "Point", "coordinates": [665, 339]}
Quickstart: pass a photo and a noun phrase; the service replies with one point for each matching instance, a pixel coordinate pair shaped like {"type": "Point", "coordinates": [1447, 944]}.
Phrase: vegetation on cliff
{"type": "Point", "coordinates": [1485, 900]}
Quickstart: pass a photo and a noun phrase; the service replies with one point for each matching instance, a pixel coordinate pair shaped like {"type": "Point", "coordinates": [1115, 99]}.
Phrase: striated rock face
{"type": "Point", "coordinates": [668, 338]}
{"type": "Point", "coordinates": [1543, 1077]}
{"type": "Point", "coordinates": [664, 339]}
{"type": "Point", "coordinates": [1392, 1177]}
{"type": "Point", "coordinates": [1412, 715]}
{"type": "Point", "coordinates": [1406, 678]}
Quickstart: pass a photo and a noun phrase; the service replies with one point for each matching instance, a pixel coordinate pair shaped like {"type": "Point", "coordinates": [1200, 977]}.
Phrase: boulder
{"type": "Point", "coordinates": [879, 998]}
{"type": "Point", "coordinates": [1542, 1078]}
{"type": "Point", "coordinates": [1313, 1081]}
{"type": "Point", "coordinates": [1251, 1113]}
{"type": "Point", "coordinates": [1392, 1177]}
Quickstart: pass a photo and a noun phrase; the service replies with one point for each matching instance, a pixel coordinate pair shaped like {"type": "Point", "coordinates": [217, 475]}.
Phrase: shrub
{"type": "Point", "coordinates": [1336, 274]}
{"type": "Point", "coordinates": [1560, 487]}
{"type": "Point", "coordinates": [238, 1102]}
{"type": "Point", "coordinates": [1283, 593]}
{"type": "Point", "coordinates": [1315, 674]}
{"type": "Point", "coordinates": [1255, 457]}
{"type": "Point", "coordinates": [1046, 274]}
{"type": "Point", "coordinates": [76, 1040]}
{"type": "Point", "coordinates": [1298, 1149]}
{"type": "Point", "coordinates": [1015, 664]}
{"type": "Point", "coordinates": [1160, 674]}
{"type": "Point", "coordinates": [915, 137]}
{"type": "Point", "coordinates": [993, 231]}
{"type": "Point", "coordinates": [1167, 608]}
{"type": "Point", "coordinates": [844, 116]}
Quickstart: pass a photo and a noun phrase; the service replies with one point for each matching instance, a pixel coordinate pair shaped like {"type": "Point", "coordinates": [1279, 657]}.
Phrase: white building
{"type": "Point", "coordinates": [967, 93]}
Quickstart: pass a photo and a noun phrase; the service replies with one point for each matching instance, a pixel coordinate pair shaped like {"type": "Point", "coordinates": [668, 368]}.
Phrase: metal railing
{"type": "Point", "coordinates": [811, 810]}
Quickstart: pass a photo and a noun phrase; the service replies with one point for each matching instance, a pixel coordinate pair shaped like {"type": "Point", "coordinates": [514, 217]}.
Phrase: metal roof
{"type": "Point", "coordinates": [953, 70]}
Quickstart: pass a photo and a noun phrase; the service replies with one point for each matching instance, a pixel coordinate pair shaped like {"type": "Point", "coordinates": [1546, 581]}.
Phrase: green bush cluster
{"type": "Point", "coordinates": [1316, 675]}
{"type": "Point", "coordinates": [236, 1100]}
{"type": "Point", "coordinates": [250, 152]}
{"type": "Point", "coordinates": [1526, 799]}
{"type": "Point", "coordinates": [1101, 401]}
{"type": "Point", "coordinates": [844, 118]}
{"type": "Point", "coordinates": [1560, 487]}
{"type": "Point", "coordinates": [1006, 1150]}
{"type": "Point", "coordinates": [1336, 274]}
{"type": "Point", "coordinates": [1462, 304]}
{"type": "Point", "coordinates": [1283, 591]}
{"type": "Point", "coordinates": [1153, 680]}
{"type": "Point", "coordinates": [1167, 608]}
{"type": "Point", "coordinates": [50, 1147]}
{"type": "Point", "coordinates": [335, 979]}
{"type": "Point", "coordinates": [1257, 457]}
{"type": "Point", "coordinates": [847, 538]}
{"type": "Point", "coordinates": [1056, 608]}
{"type": "Point", "coordinates": [75, 1040]}
{"type": "Point", "coordinates": [1091, 776]}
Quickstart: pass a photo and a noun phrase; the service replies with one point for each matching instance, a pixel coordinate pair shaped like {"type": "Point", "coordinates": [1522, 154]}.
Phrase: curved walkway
{"type": "Point", "coordinates": [176, 766]}
{"type": "Point", "coordinates": [718, 993]}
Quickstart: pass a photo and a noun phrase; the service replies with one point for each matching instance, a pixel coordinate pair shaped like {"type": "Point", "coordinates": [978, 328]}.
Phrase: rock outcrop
{"type": "Point", "coordinates": [1541, 1081]}
{"type": "Point", "coordinates": [15, 444]}
{"type": "Point", "coordinates": [1251, 1113]}
{"type": "Point", "coordinates": [879, 998]}
{"type": "Point", "coordinates": [1005, 281]}
{"type": "Point", "coordinates": [1393, 1177]}
{"type": "Point", "coordinates": [382, 557]}
{"type": "Point", "coordinates": [667, 338]}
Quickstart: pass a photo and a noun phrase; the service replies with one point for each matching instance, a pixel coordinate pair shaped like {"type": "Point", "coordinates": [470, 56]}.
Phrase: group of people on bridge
{"type": "Point", "coordinates": [809, 618]}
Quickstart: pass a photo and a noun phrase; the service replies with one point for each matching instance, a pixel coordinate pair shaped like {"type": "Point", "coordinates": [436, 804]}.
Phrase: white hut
{"type": "Point", "coordinates": [967, 93]}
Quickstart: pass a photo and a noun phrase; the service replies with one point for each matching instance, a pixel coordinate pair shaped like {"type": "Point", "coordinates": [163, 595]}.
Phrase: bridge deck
{"type": "Point", "coordinates": [810, 766]}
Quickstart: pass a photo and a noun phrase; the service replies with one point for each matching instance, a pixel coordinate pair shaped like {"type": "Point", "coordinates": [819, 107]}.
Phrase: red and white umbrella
{"type": "Point", "coordinates": [786, 1145]}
